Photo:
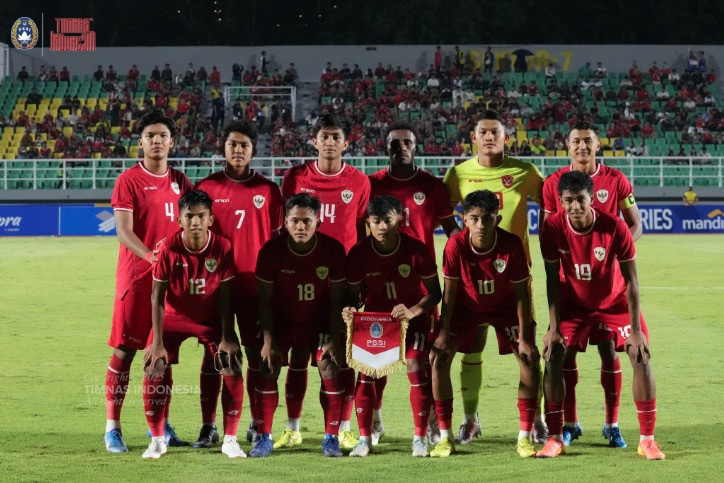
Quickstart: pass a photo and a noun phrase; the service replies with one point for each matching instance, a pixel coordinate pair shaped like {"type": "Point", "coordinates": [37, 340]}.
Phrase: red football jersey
{"type": "Point", "coordinates": [194, 277]}
{"type": "Point", "coordinates": [590, 272]}
{"type": "Point", "coordinates": [344, 197]}
{"type": "Point", "coordinates": [153, 200]}
{"type": "Point", "coordinates": [391, 279]}
{"type": "Point", "coordinates": [301, 282]}
{"type": "Point", "coordinates": [612, 191]}
{"type": "Point", "coordinates": [486, 278]}
{"type": "Point", "coordinates": [424, 198]}
{"type": "Point", "coordinates": [246, 212]}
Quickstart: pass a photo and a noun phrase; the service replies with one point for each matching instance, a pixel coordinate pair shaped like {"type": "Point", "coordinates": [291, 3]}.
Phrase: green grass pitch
{"type": "Point", "coordinates": [56, 304]}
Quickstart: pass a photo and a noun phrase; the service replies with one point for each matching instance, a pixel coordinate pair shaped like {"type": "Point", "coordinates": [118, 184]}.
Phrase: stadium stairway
{"type": "Point", "coordinates": [307, 99]}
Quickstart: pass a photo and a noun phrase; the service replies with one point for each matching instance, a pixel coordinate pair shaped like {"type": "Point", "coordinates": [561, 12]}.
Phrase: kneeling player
{"type": "Point", "coordinates": [390, 269]}
{"type": "Point", "coordinates": [300, 287]}
{"type": "Point", "coordinates": [591, 280]}
{"type": "Point", "coordinates": [191, 299]}
{"type": "Point", "coordinates": [486, 283]}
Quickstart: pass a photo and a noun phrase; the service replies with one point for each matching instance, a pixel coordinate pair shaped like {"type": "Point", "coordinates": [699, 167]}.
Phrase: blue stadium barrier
{"type": "Point", "coordinates": [656, 218]}
{"type": "Point", "coordinates": [92, 220]}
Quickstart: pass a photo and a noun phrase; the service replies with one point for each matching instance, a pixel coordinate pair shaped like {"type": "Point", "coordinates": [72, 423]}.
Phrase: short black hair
{"type": "Point", "coordinates": [193, 198]}
{"type": "Point", "coordinates": [381, 205]}
{"type": "Point", "coordinates": [332, 121]}
{"type": "Point", "coordinates": [401, 126]}
{"type": "Point", "coordinates": [483, 199]}
{"type": "Point", "coordinates": [156, 116]}
{"type": "Point", "coordinates": [490, 115]}
{"type": "Point", "coordinates": [303, 200]}
{"type": "Point", "coordinates": [582, 126]}
{"type": "Point", "coordinates": [242, 127]}
{"type": "Point", "coordinates": [575, 182]}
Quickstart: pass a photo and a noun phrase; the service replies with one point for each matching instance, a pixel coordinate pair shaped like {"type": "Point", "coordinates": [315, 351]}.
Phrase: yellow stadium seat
{"type": "Point", "coordinates": [20, 129]}
{"type": "Point", "coordinates": [65, 112]}
{"type": "Point", "coordinates": [57, 101]}
{"type": "Point", "coordinates": [521, 135]}
{"type": "Point", "coordinates": [619, 153]}
{"type": "Point", "coordinates": [51, 143]}
{"type": "Point", "coordinates": [30, 109]}
{"type": "Point", "coordinates": [43, 136]}
{"type": "Point", "coordinates": [82, 101]}
{"type": "Point", "coordinates": [91, 103]}
{"type": "Point", "coordinates": [115, 129]}
{"type": "Point", "coordinates": [96, 155]}
{"type": "Point", "coordinates": [68, 131]}
{"type": "Point", "coordinates": [133, 152]}
{"type": "Point", "coordinates": [9, 156]}
{"type": "Point", "coordinates": [550, 152]}
{"type": "Point", "coordinates": [561, 153]}
{"type": "Point", "coordinates": [608, 153]}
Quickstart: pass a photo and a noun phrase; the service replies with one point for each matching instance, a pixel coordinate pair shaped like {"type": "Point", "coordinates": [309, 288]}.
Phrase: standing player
{"type": "Point", "coordinates": [591, 279]}
{"type": "Point", "coordinates": [388, 270]}
{"type": "Point", "coordinates": [300, 282]}
{"type": "Point", "coordinates": [191, 298]}
{"type": "Point", "coordinates": [513, 182]}
{"type": "Point", "coordinates": [344, 192]}
{"type": "Point", "coordinates": [144, 206]}
{"type": "Point", "coordinates": [426, 205]}
{"type": "Point", "coordinates": [248, 209]}
{"type": "Point", "coordinates": [486, 282]}
{"type": "Point", "coordinates": [612, 193]}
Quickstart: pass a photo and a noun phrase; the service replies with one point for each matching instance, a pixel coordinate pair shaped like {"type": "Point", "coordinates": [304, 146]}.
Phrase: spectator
{"type": "Point", "coordinates": [23, 74]}
{"type": "Point", "coordinates": [167, 74]}
{"type": "Point", "coordinates": [111, 74]}
{"type": "Point", "coordinates": [155, 74]}
{"type": "Point", "coordinates": [99, 75]}
{"type": "Point", "coordinates": [690, 198]}
{"type": "Point", "coordinates": [601, 71]}
{"type": "Point", "coordinates": [550, 71]}
{"type": "Point", "coordinates": [34, 97]}
{"type": "Point", "coordinates": [43, 74]}
{"type": "Point", "coordinates": [263, 62]}
{"type": "Point", "coordinates": [437, 61]}
{"type": "Point", "coordinates": [201, 75]}
{"type": "Point", "coordinates": [236, 72]}
{"type": "Point", "coordinates": [215, 77]}
{"type": "Point", "coordinates": [133, 73]}
{"type": "Point", "coordinates": [64, 75]}
{"type": "Point", "coordinates": [488, 61]}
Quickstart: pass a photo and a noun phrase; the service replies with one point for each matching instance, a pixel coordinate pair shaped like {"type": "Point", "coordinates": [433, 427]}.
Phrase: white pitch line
{"type": "Point", "coordinates": [688, 287]}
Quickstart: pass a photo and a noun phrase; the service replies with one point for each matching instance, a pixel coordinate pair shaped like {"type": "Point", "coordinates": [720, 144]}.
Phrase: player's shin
{"type": "Point", "coordinates": [232, 399]}
{"type": "Point", "coordinates": [365, 398]}
{"type": "Point", "coordinates": [116, 387]}
{"type": "Point", "coordinates": [570, 379]}
{"type": "Point", "coordinates": [209, 385]}
{"type": "Point", "coordinates": [295, 389]}
{"type": "Point", "coordinates": [346, 379]}
{"type": "Point", "coordinates": [420, 400]}
{"type": "Point", "coordinates": [330, 397]}
{"type": "Point", "coordinates": [471, 381]}
{"type": "Point", "coordinates": [155, 398]}
{"type": "Point", "coordinates": [611, 381]}
{"type": "Point", "coordinates": [266, 400]}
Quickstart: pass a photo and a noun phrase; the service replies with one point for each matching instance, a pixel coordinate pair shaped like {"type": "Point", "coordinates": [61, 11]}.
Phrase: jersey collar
{"type": "Point", "coordinates": [472, 247]}
{"type": "Point", "coordinates": [252, 173]}
{"type": "Point", "coordinates": [598, 169]}
{"type": "Point", "coordinates": [289, 245]}
{"type": "Point", "coordinates": [316, 168]}
{"type": "Point", "coordinates": [590, 228]}
{"type": "Point", "coordinates": [399, 242]}
{"type": "Point", "coordinates": [414, 173]}
{"type": "Point", "coordinates": [208, 241]}
{"type": "Point", "coordinates": [145, 170]}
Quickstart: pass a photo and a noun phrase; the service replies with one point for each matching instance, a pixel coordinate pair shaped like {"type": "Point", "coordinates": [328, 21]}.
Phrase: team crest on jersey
{"type": "Point", "coordinates": [499, 265]}
{"type": "Point", "coordinates": [175, 188]}
{"type": "Point", "coordinates": [211, 264]}
{"type": "Point", "coordinates": [322, 272]}
{"type": "Point", "coordinates": [507, 180]}
{"type": "Point", "coordinates": [259, 201]}
{"type": "Point", "coordinates": [404, 270]}
{"type": "Point", "coordinates": [599, 253]}
{"type": "Point", "coordinates": [347, 196]}
{"type": "Point", "coordinates": [419, 198]}
{"type": "Point", "coordinates": [602, 195]}
{"type": "Point", "coordinates": [376, 330]}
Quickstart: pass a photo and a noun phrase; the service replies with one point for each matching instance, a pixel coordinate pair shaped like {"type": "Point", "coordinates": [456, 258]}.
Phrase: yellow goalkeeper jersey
{"type": "Point", "coordinates": [514, 181]}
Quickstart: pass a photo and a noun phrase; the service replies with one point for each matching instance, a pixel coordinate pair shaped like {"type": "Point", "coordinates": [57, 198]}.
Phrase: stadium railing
{"type": "Point", "coordinates": [37, 174]}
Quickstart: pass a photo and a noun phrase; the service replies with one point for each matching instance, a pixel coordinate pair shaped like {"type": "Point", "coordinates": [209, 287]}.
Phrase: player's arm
{"type": "Point", "coordinates": [440, 346]}
{"type": "Point", "coordinates": [124, 231]}
{"type": "Point", "coordinates": [553, 288]}
{"type": "Point", "coordinates": [427, 302]}
{"type": "Point", "coordinates": [361, 229]}
{"type": "Point", "coordinates": [156, 350]}
{"type": "Point", "coordinates": [527, 350]}
{"type": "Point", "coordinates": [636, 340]}
{"type": "Point", "coordinates": [264, 292]}
{"type": "Point", "coordinates": [632, 217]}
{"type": "Point", "coordinates": [450, 226]}
{"type": "Point", "coordinates": [229, 343]}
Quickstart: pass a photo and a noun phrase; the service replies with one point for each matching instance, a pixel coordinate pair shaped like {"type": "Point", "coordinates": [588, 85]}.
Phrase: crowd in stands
{"type": "Point", "coordinates": [192, 97]}
{"type": "Point", "coordinates": [443, 100]}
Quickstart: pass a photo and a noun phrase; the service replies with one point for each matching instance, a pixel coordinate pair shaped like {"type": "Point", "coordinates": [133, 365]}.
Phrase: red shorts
{"type": "Point", "coordinates": [312, 337]}
{"type": "Point", "coordinates": [505, 324]}
{"type": "Point", "coordinates": [247, 318]}
{"type": "Point", "coordinates": [175, 331]}
{"type": "Point", "coordinates": [579, 326]}
{"type": "Point", "coordinates": [132, 316]}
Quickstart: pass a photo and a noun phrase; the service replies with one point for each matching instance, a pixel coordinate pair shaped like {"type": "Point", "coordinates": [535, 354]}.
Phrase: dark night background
{"type": "Point", "coordinates": [332, 22]}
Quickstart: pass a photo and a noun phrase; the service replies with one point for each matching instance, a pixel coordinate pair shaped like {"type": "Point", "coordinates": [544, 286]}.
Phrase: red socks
{"type": "Point", "coordinates": [330, 397]}
{"type": "Point", "coordinates": [444, 413]}
{"type": "Point", "coordinates": [209, 385]}
{"type": "Point", "coordinates": [295, 389]}
{"type": "Point", "coordinates": [420, 400]}
{"type": "Point", "coordinates": [570, 378]}
{"type": "Point", "coordinates": [116, 386]}
{"type": "Point", "coordinates": [365, 398]}
{"type": "Point", "coordinates": [266, 401]}
{"type": "Point", "coordinates": [647, 416]}
{"type": "Point", "coordinates": [155, 399]}
{"type": "Point", "coordinates": [554, 417]}
{"type": "Point", "coordinates": [345, 379]}
{"type": "Point", "coordinates": [232, 397]}
{"type": "Point", "coordinates": [252, 376]}
{"type": "Point", "coordinates": [527, 409]}
{"type": "Point", "coordinates": [611, 380]}
{"type": "Point", "coordinates": [380, 385]}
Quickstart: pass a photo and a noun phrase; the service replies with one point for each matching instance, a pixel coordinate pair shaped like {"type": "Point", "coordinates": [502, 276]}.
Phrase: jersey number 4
{"type": "Point", "coordinates": [169, 211]}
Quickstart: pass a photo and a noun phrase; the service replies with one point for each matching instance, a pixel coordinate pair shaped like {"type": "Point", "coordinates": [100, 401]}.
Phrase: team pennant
{"type": "Point", "coordinates": [376, 343]}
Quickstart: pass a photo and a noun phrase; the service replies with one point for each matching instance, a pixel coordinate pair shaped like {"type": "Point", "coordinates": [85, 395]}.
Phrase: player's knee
{"type": "Point", "coordinates": [124, 353]}
{"type": "Point", "coordinates": [414, 365]}
{"type": "Point", "coordinates": [607, 350]}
